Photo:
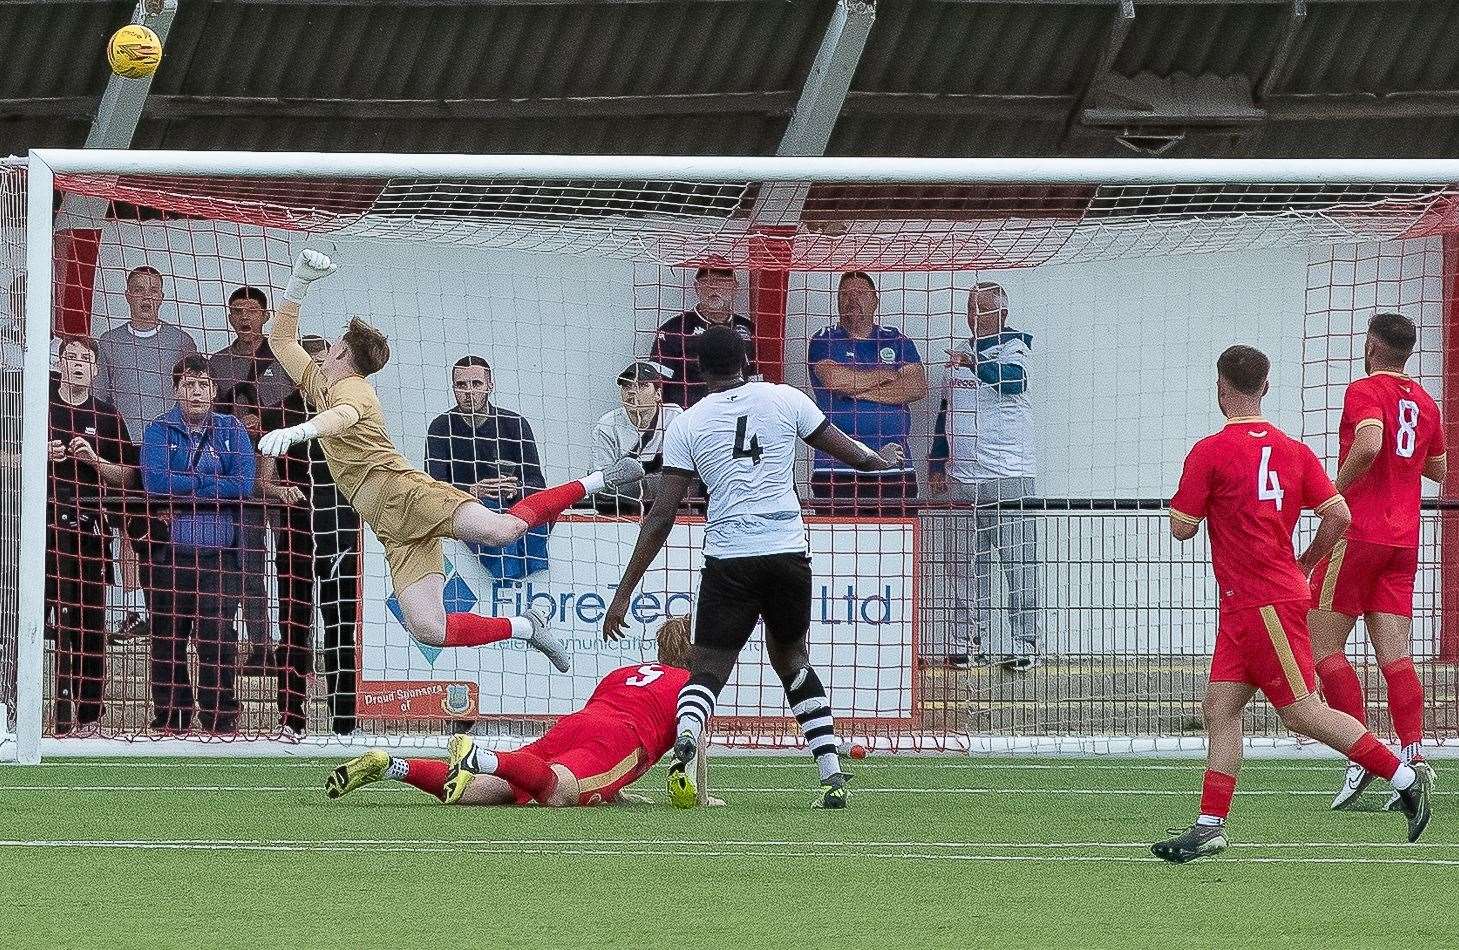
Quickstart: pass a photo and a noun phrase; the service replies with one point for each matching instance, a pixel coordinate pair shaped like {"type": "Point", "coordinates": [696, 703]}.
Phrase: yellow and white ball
{"type": "Point", "coordinates": [134, 51]}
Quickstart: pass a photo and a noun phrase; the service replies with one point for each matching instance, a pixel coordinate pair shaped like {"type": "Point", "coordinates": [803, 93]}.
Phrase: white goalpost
{"type": "Point", "coordinates": [557, 272]}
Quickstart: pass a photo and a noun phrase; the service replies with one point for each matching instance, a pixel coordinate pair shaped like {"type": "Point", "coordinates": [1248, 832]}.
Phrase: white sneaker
{"type": "Point", "coordinates": [545, 642]}
{"type": "Point", "coordinates": [289, 734]}
{"type": "Point", "coordinates": [1357, 779]}
{"type": "Point", "coordinates": [1418, 766]}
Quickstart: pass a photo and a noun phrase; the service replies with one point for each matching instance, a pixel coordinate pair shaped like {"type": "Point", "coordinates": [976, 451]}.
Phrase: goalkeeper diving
{"type": "Point", "coordinates": [409, 511]}
{"type": "Point", "coordinates": [587, 758]}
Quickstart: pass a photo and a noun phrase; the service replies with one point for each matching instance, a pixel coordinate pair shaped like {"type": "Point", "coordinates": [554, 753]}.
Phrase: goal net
{"type": "Point", "coordinates": [1015, 588]}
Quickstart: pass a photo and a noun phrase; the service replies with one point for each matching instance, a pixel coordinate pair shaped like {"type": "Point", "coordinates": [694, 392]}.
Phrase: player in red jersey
{"type": "Point", "coordinates": [586, 758]}
{"type": "Point", "coordinates": [1389, 440]}
{"type": "Point", "coordinates": [1250, 482]}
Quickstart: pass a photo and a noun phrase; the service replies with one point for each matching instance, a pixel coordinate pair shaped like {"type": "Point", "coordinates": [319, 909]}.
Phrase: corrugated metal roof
{"type": "Point", "coordinates": [936, 77]}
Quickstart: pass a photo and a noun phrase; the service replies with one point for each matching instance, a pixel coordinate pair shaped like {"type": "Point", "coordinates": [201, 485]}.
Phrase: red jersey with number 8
{"type": "Point", "coordinates": [645, 697]}
{"type": "Point", "coordinates": [1250, 482]}
{"type": "Point", "coordinates": [1385, 500]}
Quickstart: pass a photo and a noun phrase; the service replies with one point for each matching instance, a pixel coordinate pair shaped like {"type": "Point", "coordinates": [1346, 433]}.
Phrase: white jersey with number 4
{"type": "Point", "coordinates": [742, 443]}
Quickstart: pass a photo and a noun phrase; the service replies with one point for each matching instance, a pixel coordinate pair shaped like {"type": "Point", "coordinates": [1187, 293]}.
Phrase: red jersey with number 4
{"type": "Point", "coordinates": [1250, 481]}
{"type": "Point", "coordinates": [647, 698]}
{"type": "Point", "coordinates": [1385, 500]}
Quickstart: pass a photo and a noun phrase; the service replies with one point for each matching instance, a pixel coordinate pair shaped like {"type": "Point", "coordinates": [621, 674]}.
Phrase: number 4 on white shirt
{"type": "Point", "coordinates": [1268, 485]}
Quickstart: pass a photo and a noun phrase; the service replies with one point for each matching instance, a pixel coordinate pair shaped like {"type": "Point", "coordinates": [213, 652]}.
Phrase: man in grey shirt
{"type": "Point", "coordinates": [134, 374]}
{"type": "Point", "coordinates": [635, 428]}
{"type": "Point", "coordinates": [248, 359]}
{"type": "Point", "coordinates": [135, 370]}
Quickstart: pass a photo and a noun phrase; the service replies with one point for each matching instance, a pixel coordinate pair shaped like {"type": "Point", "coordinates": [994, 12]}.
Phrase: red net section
{"type": "Point", "coordinates": [1041, 357]}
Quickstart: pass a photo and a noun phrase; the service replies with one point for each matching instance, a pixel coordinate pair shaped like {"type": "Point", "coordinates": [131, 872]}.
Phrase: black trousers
{"type": "Point", "coordinates": [76, 579]}
{"type": "Point", "coordinates": [865, 494]}
{"type": "Point", "coordinates": [320, 546]}
{"type": "Point", "coordinates": [195, 593]}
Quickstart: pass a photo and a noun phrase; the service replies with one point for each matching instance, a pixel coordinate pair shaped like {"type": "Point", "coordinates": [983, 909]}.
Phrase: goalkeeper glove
{"type": "Point", "coordinates": [309, 266]}
{"type": "Point", "coordinates": [277, 442]}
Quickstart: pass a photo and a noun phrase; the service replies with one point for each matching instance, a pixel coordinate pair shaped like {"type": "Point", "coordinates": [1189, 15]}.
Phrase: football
{"type": "Point", "coordinates": [134, 51]}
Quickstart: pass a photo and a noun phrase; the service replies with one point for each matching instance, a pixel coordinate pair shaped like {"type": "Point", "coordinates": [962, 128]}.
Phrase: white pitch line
{"type": "Point", "coordinates": [738, 762]}
{"type": "Point", "coordinates": [817, 855]}
{"type": "Point", "coordinates": [860, 790]}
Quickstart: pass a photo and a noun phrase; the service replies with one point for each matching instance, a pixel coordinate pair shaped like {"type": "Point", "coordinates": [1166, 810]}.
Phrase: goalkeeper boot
{"type": "Point", "coordinates": [1414, 800]}
{"type": "Point", "coordinates": [545, 642]}
{"type": "Point", "coordinates": [458, 776]}
{"type": "Point", "coordinates": [1356, 779]}
{"type": "Point", "coordinates": [833, 792]}
{"type": "Point", "coordinates": [682, 793]}
{"type": "Point", "coordinates": [356, 773]}
{"type": "Point", "coordinates": [1197, 841]}
{"type": "Point", "coordinates": [622, 473]}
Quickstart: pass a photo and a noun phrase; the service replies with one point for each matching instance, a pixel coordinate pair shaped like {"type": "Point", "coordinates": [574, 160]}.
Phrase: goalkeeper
{"type": "Point", "coordinates": [587, 758]}
{"type": "Point", "coordinates": [409, 511]}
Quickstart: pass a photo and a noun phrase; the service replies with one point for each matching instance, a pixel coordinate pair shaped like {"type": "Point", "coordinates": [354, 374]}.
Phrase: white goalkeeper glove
{"type": "Point", "coordinates": [277, 442]}
{"type": "Point", "coordinates": [309, 266]}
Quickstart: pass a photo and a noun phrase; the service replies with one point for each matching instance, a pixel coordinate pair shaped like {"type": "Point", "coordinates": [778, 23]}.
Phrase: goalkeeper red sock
{"type": "Point", "coordinates": [1217, 789]}
{"type": "Point", "coordinates": [545, 505]}
{"type": "Point", "coordinates": [1374, 756]}
{"type": "Point", "coordinates": [1341, 688]}
{"type": "Point", "coordinates": [525, 771]}
{"type": "Point", "coordinates": [1405, 701]}
{"type": "Point", "coordinates": [474, 630]}
{"type": "Point", "coordinates": [428, 775]}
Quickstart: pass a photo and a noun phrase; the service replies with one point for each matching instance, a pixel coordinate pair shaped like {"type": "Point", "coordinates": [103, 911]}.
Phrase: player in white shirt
{"type": "Point", "coordinates": [741, 440]}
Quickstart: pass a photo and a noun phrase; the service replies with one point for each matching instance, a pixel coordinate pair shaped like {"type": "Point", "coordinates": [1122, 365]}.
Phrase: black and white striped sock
{"type": "Point", "coordinates": [808, 703]}
{"type": "Point", "coordinates": [696, 705]}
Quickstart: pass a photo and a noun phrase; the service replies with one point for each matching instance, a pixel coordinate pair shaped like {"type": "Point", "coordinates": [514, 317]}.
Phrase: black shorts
{"type": "Point", "coordinates": [736, 592]}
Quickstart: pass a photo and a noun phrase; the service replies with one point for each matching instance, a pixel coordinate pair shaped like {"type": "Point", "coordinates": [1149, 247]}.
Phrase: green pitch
{"type": "Point", "coordinates": [945, 852]}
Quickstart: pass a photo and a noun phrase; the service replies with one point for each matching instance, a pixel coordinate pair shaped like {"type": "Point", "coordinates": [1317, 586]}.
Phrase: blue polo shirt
{"type": "Point", "coordinates": [875, 423]}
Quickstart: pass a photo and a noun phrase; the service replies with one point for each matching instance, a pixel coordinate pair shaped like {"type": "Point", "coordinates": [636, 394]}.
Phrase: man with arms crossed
{"type": "Point", "coordinates": [409, 511]}
{"type": "Point", "coordinates": [1252, 482]}
{"type": "Point", "coordinates": [1389, 440]}
{"type": "Point", "coordinates": [740, 440]}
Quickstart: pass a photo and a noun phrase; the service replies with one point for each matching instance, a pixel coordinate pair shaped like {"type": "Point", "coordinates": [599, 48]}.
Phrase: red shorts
{"type": "Point", "coordinates": [605, 755]}
{"type": "Point", "coordinates": [1268, 648]}
{"type": "Point", "coordinates": [1362, 577]}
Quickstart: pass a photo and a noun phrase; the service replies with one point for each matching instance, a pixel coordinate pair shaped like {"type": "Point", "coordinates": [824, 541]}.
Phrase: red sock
{"type": "Point", "coordinates": [527, 772]}
{"type": "Point", "coordinates": [545, 505]}
{"type": "Point", "coordinates": [1374, 756]}
{"type": "Point", "coordinates": [1405, 701]}
{"type": "Point", "coordinates": [1216, 791]}
{"type": "Point", "coordinates": [474, 630]}
{"type": "Point", "coordinates": [1341, 689]}
{"type": "Point", "coordinates": [428, 775]}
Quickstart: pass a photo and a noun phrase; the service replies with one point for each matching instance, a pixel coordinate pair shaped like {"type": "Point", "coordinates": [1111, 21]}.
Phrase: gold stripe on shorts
{"type": "Point", "coordinates": [1290, 670]}
{"type": "Point", "coordinates": [594, 782]}
{"type": "Point", "coordinates": [1329, 580]}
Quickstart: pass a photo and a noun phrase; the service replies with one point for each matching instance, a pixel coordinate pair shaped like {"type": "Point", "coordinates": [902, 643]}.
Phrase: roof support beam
{"type": "Point", "coordinates": [1282, 58]}
{"type": "Point", "coordinates": [121, 104]}
{"type": "Point", "coordinates": [1120, 25]}
{"type": "Point", "coordinates": [822, 97]}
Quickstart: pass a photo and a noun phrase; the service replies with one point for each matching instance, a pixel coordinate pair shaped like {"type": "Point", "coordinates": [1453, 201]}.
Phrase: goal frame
{"type": "Point", "coordinates": [43, 165]}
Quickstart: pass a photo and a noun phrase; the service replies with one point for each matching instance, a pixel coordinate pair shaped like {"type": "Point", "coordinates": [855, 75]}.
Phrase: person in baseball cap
{"type": "Point", "coordinates": [635, 428]}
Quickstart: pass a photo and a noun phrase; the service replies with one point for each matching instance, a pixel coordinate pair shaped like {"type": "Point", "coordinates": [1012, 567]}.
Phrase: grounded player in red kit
{"type": "Point", "coordinates": [1250, 482]}
{"type": "Point", "coordinates": [586, 758]}
{"type": "Point", "coordinates": [1390, 439]}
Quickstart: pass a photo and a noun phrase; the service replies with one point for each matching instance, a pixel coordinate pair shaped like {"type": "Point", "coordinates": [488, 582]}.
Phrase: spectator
{"type": "Point", "coordinates": [319, 539]}
{"type": "Point", "coordinates": [676, 347]}
{"type": "Point", "coordinates": [983, 453]}
{"type": "Point", "coordinates": [88, 449]}
{"type": "Point", "coordinates": [202, 463]}
{"type": "Point", "coordinates": [635, 428]}
{"type": "Point", "coordinates": [491, 454]}
{"type": "Point", "coordinates": [135, 376]}
{"type": "Point", "coordinates": [248, 359]}
{"type": "Point", "coordinates": [864, 377]}
{"type": "Point", "coordinates": [253, 538]}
